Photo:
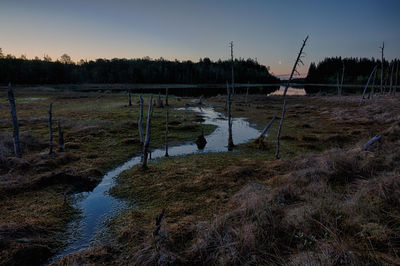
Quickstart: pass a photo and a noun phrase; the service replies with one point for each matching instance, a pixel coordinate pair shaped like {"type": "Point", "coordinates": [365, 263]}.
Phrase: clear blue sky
{"type": "Point", "coordinates": [269, 30]}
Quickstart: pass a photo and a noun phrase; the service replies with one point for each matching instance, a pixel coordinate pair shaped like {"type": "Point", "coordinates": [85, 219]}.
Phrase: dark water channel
{"type": "Point", "coordinates": [98, 206]}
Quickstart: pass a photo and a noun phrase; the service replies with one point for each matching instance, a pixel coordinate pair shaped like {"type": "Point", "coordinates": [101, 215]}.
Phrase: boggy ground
{"type": "Point", "coordinates": [100, 132]}
{"type": "Point", "coordinates": [325, 202]}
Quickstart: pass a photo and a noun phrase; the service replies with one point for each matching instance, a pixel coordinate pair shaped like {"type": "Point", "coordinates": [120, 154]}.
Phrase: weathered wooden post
{"type": "Point", "coordinates": [50, 129]}
{"type": "Point", "coordinates": [61, 146]}
{"type": "Point", "coordinates": [166, 96]}
{"type": "Point", "coordinates": [366, 86]}
{"type": "Point", "coordinates": [130, 97]}
{"type": "Point", "coordinates": [14, 118]}
{"type": "Point", "coordinates": [166, 135]}
{"type": "Point", "coordinates": [298, 60]}
{"type": "Point", "coordinates": [382, 50]}
{"type": "Point", "coordinates": [148, 132]}
{"type": "Point", "coordinates": [229, 103]}
{"type": "Point", "coordinates": [141, 118]}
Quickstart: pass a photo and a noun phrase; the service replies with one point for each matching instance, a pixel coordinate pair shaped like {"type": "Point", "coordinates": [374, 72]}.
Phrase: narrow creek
{"type": "Point", "coordinates": [97, 206]}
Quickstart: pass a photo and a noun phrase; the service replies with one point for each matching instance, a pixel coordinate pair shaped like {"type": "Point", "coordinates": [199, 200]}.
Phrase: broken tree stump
{"type": "Point", "coordinates": [372, 141]}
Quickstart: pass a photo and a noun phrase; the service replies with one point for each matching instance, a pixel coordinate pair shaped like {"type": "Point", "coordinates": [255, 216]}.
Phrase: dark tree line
{"type": "Point", "coordinates": [357, 70]}
{"type": "Point", "coordinates": [146, 70]}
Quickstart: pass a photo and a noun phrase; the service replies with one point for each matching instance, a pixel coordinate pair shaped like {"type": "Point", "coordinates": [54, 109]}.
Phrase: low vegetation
{"type": "Point", "coordinates": [100, 131]}
{"type": "Point", "coordinates": [327, 202]}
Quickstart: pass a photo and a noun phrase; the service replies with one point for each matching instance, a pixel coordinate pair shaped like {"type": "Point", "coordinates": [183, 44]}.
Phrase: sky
{"type": "Point", "coordinates": [270, 31]}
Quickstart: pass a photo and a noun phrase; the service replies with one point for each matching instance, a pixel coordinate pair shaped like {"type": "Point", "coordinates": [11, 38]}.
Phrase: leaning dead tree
{"type": "Point", "coordinates": [366, 86]}
{"type": "Point", "coordinates": [141, 118]}
{"type": "Point", "coordinates": [372, 91]}
{"type": "Point", "coordinates": [247, 91]}
{"type": "Point", "coordinates": [166, 135]}
{"type": "Point", "coordinates": [294, 70]}
{"type": "Point", "coordinates": [129, 97]}
{"type": "Point", "coordinates": [51, 129]}
{"type": "Point", "coordinates": [382, 51]}
{"type": "Point", "coordinates": [233, 77]}
{"type": "Point", "coordinates": [148, 132]}
{"type": "Point", "coordinates": [14, 118]}
{"type": "Point", "coordinates": [264, 132]}
{"type": "Point", "coordinates": [61, 145]}
{"type": "Point", "coordinates": [229, 104]}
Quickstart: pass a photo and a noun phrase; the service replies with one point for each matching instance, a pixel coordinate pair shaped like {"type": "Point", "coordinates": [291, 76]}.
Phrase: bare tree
{"type": "Point", "coordinates": [14, 118]}
{"type": "Point", "coordinates": [166, 134]}
{"type": "Point", "coordinates": [148, 132]}
{"type": "Point", "coordinates": [129, 97]}
{"type": "Point", "coordinates": [382, 51]}
{"type": "Point", "coordinates": [366, 86]}
{"type": "Point", "coordinates": [294, 70]}
{"type": "Point", "coordinates": [229, 104]}
{"type": "Point", "coordinates": [141, 118]}
{"type": "Point", "coordinates": [61, 146]}
{"type": "Point", "coordinates": [50, 129]}
{"type": "Point", "coordinates": [233, 77]}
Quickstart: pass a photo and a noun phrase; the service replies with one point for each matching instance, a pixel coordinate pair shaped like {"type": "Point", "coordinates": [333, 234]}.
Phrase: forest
{"type": "Point", "coordinates": [357, 70]}
{"type": "Point", "coordinates": [142, 71]}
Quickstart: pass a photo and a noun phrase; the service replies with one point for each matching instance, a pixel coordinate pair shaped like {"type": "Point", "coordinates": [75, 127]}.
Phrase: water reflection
{"type": "Point", "coordinates": [290, 91]}
{"type": "Point", "coordinates": [98, 206]}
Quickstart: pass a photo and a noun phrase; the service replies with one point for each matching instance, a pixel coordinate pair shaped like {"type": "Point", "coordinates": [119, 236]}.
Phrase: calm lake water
{"type": "Point", "coordinates": [98, 206]}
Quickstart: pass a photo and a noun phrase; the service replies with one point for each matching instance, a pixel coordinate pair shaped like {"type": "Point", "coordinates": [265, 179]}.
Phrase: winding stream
{"type": "Point", "coordinates": [98, 206]}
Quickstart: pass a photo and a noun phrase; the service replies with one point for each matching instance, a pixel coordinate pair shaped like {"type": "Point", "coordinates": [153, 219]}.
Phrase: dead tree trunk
{"type": "Point", "coordinates": [141, 119]}
{"type": "Point", "coordinates": [148, 132]}
{"type": "Point", "coordinates": [233, 77]}
{"type": "Point", "coordinates": [61, 146]}
{"type": "Point", "coordinates": [337, 84]}
{"type": "Point", "coordinates": [159, 101]}
{"type": "Point", "coordinates": [341, 83]}
{"type": "Point", "coordinates": [130, 97]}
{"type": "Point", "coordinates": [247, 92]}
{"type": "Point", "coordinates": [51, 129]}
{"type": "Point", "coordinates": [397, 76]}
{"type": "Point", "coordinates": [391, 80]}
{"type": "Point", "coordinates": [298, 60]}
{"type": "Point", "coordinates": [166, 135]}
{"type": "Point", "coordinates": [372, 92]}
{"type": "Point", "coordinates": [228, 104]}
{"type": "Point", "coordinates": [372, 141]}
{"type": "Point", "coordinates": [366, 86]}
{"type": "Point", "coordinates": [262, 135]}
{"type": "Point", "coordinates": [382, 50]}
{"type": "Point", "coordinates": [14, 118]}
{"type": "Point", "coordinates": [166, 97]}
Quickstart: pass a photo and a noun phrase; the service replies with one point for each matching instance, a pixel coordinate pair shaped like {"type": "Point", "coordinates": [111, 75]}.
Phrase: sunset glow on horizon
{"type": "Point", "coordinates": [269, 31]}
